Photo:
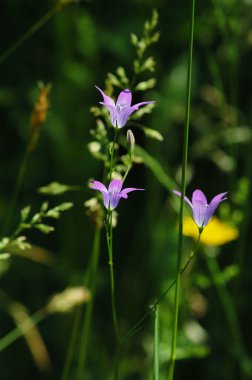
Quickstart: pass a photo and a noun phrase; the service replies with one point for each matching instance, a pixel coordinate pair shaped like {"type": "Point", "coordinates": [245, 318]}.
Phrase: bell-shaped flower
{"type": "Point", "coordinates": [202, 211]}
{"type": "Point", "coordinates": [122, 109]}
{"type": "Point", "coordinates": [113, 194]}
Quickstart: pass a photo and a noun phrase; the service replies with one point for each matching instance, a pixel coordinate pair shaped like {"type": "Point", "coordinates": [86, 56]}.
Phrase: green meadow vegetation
{"type": "Point", "coordinates": [125, 198]}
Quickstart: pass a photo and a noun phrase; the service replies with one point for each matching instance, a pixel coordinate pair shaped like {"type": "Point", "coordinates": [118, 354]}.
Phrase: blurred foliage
{"type": "Point", "coordinates": [74, 51]}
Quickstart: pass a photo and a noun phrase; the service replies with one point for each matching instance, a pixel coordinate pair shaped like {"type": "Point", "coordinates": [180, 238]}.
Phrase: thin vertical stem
{"type": "Point", "coordinates": [184, 171]}
{"type": "Point", "coordinates": [156, 344]}
{"type": "Point", "coordinates": [89, 307]}
{"type": "Point", "coordinates": [72, 344]}
{"type": "Point", "coordinates": [109, 235]}
{"type": "Point", "coordinates": [16, 191]}
{"type": "Point", "coordinates": [112, 153]}
{"type": "Point", "coordinates": [134, 328]}
{"type": "Point", "coordinates": [90, 282]}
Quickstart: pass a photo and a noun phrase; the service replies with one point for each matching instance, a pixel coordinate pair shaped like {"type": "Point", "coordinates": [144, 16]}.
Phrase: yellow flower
{"type": "Point", "coordinates": [215, 233]}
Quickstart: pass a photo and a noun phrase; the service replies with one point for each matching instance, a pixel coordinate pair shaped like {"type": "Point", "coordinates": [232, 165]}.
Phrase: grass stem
{"type": "Point", "coordinates": [181, 214]}
{"type": "Point", "coordinates": [89, 308]}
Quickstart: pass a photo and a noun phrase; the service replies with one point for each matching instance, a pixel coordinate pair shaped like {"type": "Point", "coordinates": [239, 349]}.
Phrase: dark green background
{"type": "Point", "coordinates": [74, 51]}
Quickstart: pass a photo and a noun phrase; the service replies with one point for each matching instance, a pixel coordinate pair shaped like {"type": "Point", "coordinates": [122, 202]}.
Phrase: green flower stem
{"type": "Point", "coordinates": [19, 331]}
{"type": "Point", "coordinates": [109, 235]}
{"type": "Point", "coordinates": [162, 296]}
{"type": "Point", "coordinates": [230, 314]}
{"type": "Point", "coordinates": [156, 344]}
{"type": "Point", "coordinates": [112, 153]}
{"type": "Point", "coordinates": [184, 171]}
{"type": "Point", "coordinates": [89, 307]}
{"type": "Point", "coordinates": [127, 171]}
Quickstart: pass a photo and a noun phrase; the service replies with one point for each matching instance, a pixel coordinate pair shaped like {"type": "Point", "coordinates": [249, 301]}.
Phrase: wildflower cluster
{"type": "Point", "coordinates": [115, 115]}
{"type": "Point", "coordinates": [121, 107]}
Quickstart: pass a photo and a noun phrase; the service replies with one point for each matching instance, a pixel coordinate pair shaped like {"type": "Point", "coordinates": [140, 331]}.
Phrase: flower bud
{"type": "Point", "coordinates": [130, 142]}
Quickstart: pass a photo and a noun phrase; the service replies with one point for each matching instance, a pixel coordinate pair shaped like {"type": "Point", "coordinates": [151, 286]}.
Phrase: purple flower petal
{"type": "Point", "coordinates": [124, 99]}
{"type": "Point", "coordinates": [108, 101]}
{"type": "Point", "coordinates": [114, 200]}
{"type": "Point", "coordinates": [136, 106]}
{"type": "Point", "coordinates": [219, 198]}
{"type": "Point", "coordinates": [198, 195]}
{"type": "Point", "coordinates": [113, 194]}
{"type": "Point", "coordinates": [186, 199]}
{"type": "Point", "coordinates": [106, 200]}
{"type": "Point", "coordinates": [127, 190]}
{"type": "Point", "coordinates": [123, 116]}
{"type": "Point", "coordinates": [97, 185]}
{"type": "Point", "coordinates": [112, 113]}
{"type": "Point", "coordinates": [199, 212]}
{"type": "Point", "coordinates": [125, 113]}
{"type": "Point", "coordinates": [115, 186]}
{"type": "Point", "coordinates": [202, 212]}
{"type": "Point", "coordinates": [121, 111]}
{"type": "Point", "coordinates": [213, 205]}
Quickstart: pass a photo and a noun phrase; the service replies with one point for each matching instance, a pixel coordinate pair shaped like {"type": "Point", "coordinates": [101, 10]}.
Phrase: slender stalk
{"type": "Point", "coordinates": [134, 328]}
{"type": "Point", "coordinates": [19, 331]}
{"type": "Point", "coordinates": [72, 343]}
{"type": "Point", "coordinates": [127, 171]}
{"type": "Point", "coordinates": [112, 153]}
{"type": "Point", "coordinates": [156, 344]}
{"type": "Point", "coordinates": [184, 171]}
{"type": "Point", "coordinates": [90, 305]}
{"type": "Point", "coordinates": [109, 235]}
{"type": "Point", "coordinates": [24, 37]}
{"type": "Point", "coordinates": [90, 282]}
{"type": "Point", "coordinates": [17, 188]}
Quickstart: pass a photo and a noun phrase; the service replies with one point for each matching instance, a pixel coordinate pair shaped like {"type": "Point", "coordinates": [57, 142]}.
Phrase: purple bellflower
{"type": "Point", "coordinates": [113, 194]}
{"type": "Point", "coordinates": [202, 211]}
{"type": "Point", "coordinates": [122, 109]}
